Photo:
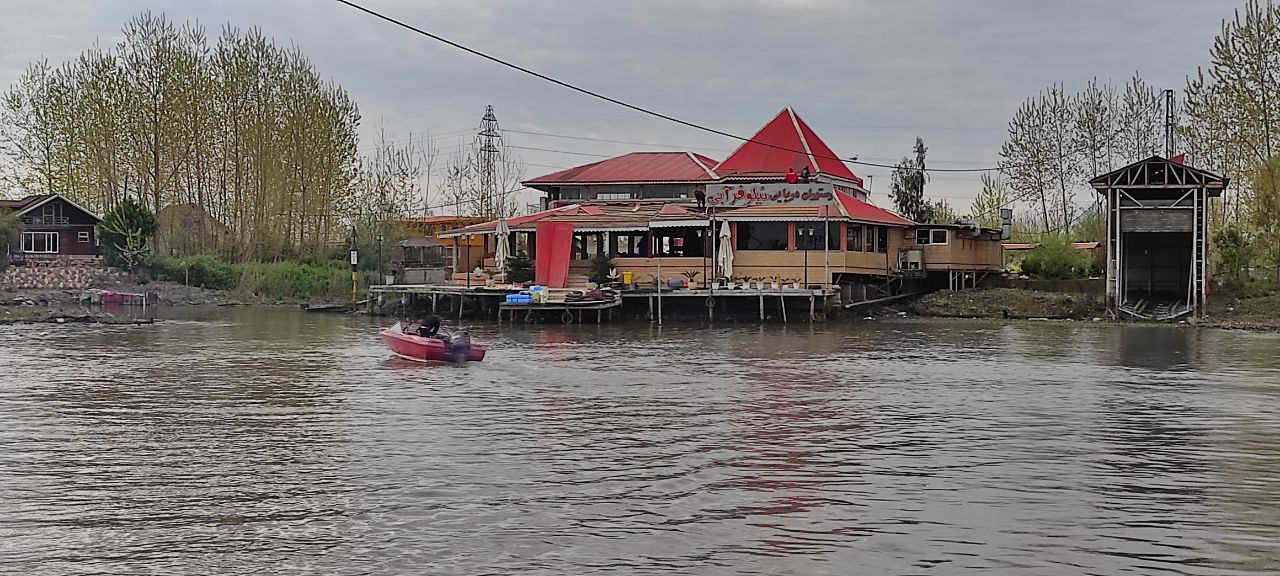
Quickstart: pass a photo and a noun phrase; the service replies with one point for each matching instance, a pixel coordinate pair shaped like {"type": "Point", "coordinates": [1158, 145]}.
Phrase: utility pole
{"type": "Point", "coordinates": [1168, 124]}
{"type": "Point", "coordinates": [490, 136]}
{"type": "Point", "coordinates": [355, 259]}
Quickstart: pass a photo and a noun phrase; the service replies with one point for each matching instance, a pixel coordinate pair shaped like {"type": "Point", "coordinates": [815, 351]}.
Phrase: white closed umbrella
{"type": "Point", "coordinates": [724, 252]}
{"type": "Point", "coordinates": [500, 251]}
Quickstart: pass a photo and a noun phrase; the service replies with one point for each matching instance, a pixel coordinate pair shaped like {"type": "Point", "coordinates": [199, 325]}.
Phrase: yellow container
{"type": "Point", "coordinates": [627, 277]}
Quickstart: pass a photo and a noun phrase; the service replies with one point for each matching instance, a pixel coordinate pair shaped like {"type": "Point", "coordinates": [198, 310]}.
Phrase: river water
{"type": "Point", "coordinates": [252, 440]}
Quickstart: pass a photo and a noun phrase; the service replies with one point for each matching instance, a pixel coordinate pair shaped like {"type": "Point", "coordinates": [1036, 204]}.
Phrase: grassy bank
{"type": "Point", "coordinates": [260, 281]}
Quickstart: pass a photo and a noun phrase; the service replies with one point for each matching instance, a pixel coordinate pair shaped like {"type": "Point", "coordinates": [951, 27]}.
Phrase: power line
{"type": "Point", "coordinates": [621, 103]}
{"type": "Point", "coordinates": [589, 139]}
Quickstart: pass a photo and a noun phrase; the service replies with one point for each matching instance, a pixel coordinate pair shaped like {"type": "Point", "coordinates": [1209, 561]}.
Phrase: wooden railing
{"type": "Point", "coordinates": [46, 221]}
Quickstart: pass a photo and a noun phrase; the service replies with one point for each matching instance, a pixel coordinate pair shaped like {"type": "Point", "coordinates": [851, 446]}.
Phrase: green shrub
{"type": "Point", "coordinates": [519, 268]}
{"type": "Point", "coordinates": [293, 281]}
{"type": "Point", "coordinates": [10, 236]}
{"type": "Point", "coordinates": [1056, 259]}
{"type": "Point", "coordinates": [202, 270]}
{"type": "Point", "coordinates": [601, 266]}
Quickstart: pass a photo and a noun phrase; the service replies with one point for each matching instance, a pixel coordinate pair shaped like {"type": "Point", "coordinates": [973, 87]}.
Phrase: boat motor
{"type": "Point", "coordinates": [459, 346]}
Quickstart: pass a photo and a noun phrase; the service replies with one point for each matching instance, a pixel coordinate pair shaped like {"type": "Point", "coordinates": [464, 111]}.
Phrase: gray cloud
{"type": "Point", "coordinates": [869, 76]}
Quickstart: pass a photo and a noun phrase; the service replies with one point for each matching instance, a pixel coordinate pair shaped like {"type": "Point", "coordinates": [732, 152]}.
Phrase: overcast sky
{"type": "Point", "coordinates": [867, 75]}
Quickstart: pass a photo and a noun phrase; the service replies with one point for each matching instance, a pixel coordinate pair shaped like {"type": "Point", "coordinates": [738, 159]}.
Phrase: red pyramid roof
{"type": "Point", "coordinates": [786, 142]}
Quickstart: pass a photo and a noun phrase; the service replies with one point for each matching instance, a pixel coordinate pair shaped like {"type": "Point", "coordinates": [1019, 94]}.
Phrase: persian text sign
{"type": "Point", "coordinates": [741, 195]}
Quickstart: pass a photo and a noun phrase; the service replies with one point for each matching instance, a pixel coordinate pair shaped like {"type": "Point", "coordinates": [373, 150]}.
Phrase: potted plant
{"type": "Point", "coordinates": [731, 283]}
{"type": "Point", "coordinates": [601, 267]}
{"type": "Point", "coordinates": [692, 275]}
{"type": "Point", "coordinates": [715, 284]}
{"type": "Point", "coordinates": [651, 281]}
{"type": "Point", "coordinates": [773, 282]}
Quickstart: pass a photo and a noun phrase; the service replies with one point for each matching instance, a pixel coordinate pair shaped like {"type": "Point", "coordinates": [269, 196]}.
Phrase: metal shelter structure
{"type": "Point", "coordinates": [1157, 237]}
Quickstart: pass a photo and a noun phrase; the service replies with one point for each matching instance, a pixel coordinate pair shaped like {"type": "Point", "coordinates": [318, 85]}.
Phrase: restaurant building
{"type": "Point", "coordinates": [782, 208]}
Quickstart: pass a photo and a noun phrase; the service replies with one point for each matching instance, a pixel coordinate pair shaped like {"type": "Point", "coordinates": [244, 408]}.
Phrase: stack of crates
{"type": "Point", "coordinates": [535, 294]}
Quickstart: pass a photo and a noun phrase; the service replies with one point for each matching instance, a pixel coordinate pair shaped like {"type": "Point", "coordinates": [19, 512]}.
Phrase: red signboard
{"type": "Point", "coordinates": [740, 195]}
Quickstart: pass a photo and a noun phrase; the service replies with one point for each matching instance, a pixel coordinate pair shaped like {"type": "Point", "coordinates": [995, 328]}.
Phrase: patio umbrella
{"type": "Point", "coordinates": [724, 252]}
{"type": "Point", "coordinates": [500, 251]}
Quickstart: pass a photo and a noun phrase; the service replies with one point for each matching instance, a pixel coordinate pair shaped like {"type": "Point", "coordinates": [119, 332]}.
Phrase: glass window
{"type": "Point", "coordinates": [870, 235]}
{"type": "Point", "coordinates": [883, 244]}
{"type": "Point", "coordinates": [939, 236]}
{"type": "Point", "coordinates": [762, 236]}
{"type": "Point", "coordinates": [810, 235]}
{"type": "Point", "coordinates": [40, 242]}
{"type": "Point", "coordinates": [83, 237]}
{"type": "Point", "coordinates": [853, 238]}
{"type": "Point", "coordinates": [922, 235]}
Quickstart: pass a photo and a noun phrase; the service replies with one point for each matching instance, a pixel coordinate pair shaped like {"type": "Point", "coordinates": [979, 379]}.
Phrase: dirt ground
{"type": "Point", "coordinates": [1259, 313]}
{"type": "Point", "coordinates": [1009, 303]}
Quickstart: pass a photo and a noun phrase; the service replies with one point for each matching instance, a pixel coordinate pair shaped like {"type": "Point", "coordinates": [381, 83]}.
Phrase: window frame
{"type": "Point", "coordinates": [84, 237]}
{"type": "Point", "coordinates": [56, 243]}
{"type": "Point", "coordinates": [928, 236]}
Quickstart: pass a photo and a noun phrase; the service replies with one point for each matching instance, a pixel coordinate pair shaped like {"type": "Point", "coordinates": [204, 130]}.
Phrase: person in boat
{"type": "Point", "coordinates": [429, 326]}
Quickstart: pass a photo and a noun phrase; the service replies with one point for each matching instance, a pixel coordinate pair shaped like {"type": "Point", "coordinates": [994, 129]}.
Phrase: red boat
{"type": "Point", "coordinates": [420, 349]}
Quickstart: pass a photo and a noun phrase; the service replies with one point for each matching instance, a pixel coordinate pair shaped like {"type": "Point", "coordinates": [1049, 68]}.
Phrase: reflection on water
{"type": "Point", "coordinates": [233, 441]}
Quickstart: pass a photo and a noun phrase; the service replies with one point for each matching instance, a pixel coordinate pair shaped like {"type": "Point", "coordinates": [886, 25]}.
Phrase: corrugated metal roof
{"type": "Point", "coordinates": [636, 168]}
{"type": "Point", "coordinates": [778, 212]}
{"type": "Point", "coordinates": [785, 142]}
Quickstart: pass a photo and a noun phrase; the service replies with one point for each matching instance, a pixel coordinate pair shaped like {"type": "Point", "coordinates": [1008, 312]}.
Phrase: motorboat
{"type": "Point", "coordinates": [453, 347]}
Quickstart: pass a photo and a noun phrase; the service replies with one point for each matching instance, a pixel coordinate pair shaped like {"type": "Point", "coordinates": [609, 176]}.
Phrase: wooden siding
{"type": "Point", "coordinates": [963, 254]}
{"type": "Point", "coordinates": [1157, 220]}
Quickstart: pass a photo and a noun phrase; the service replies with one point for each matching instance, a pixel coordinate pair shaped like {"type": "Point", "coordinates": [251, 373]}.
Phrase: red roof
{"type": "Point", "coordinates": [786, 142]}
{"type": "Point", "coordinates": [24, 203]}
{"type": "Point", "coordinates": [636, 167]}
{"type": "Point", "coordinates": [861, 211]}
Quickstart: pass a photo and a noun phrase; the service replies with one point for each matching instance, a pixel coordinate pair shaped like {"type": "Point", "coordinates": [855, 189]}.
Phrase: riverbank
{"type": "Point", "coordinates": [1009, 303]}
{"type": "Point", "coordinates": [1260, 313]}
{"type": "Point", "coordinates": [41, 315]}
{"type": "Point", "coordinates": [1225, 311]}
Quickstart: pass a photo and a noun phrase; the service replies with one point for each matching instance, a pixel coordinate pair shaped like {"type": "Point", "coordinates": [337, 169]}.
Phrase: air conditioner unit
{"type": "Point", "coordinates": [913, 260]}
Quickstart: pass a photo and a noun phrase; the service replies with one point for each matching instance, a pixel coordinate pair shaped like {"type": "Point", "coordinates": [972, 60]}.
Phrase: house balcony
{"type": "Point", "coordinates": [46, 222]}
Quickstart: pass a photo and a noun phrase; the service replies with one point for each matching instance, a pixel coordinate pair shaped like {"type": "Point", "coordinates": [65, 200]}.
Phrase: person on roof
{"type": "Point", "coordinates": [804, 175]}
{"type": "Point", "coordinates": [791, 176]}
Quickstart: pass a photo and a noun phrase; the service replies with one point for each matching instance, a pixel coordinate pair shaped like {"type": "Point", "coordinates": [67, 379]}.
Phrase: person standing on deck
{"type": "Point", "coordinates": [791, 176]}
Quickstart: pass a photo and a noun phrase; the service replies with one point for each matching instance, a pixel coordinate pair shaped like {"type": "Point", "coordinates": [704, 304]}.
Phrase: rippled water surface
{"type": "Point", "coordinates": [250, 440]}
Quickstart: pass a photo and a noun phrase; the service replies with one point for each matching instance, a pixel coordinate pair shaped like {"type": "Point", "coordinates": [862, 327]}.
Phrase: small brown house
{"type": "Point", "coordinates": [54, 226]}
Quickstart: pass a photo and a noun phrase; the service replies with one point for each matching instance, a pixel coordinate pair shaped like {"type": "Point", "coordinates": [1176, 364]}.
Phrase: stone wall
{"type": "Point", "coordinates": [58, 274]}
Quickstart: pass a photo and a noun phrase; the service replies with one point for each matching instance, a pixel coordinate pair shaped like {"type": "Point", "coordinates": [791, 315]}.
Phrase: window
{"type": "Point", "coordinates": [82, 237]}
{"type": "Point", "coordinates": [762, 235]}
{"type": "Point", "coordinates": [853, 236]}
{"type": "Point", "coordinates": [931, 236]}
{"type": "Point", "coordinates": [883, 245]}
{"type": "Point", "coordinates": [810, 235]}
{"type": "Point", "coordinates": [40, 242]}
